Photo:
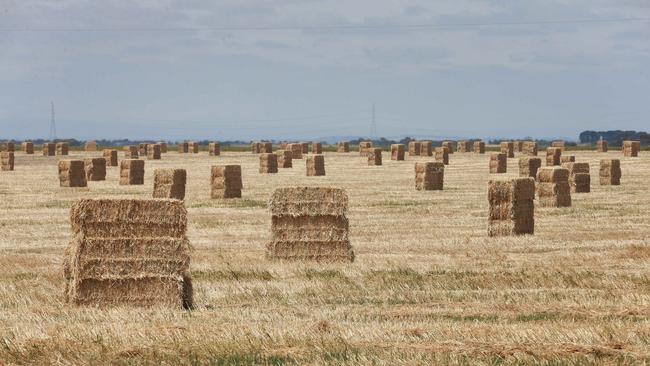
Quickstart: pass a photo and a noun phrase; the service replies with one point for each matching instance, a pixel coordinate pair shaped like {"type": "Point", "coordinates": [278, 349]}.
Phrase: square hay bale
{"type": "Point", "coordinates": [72, 173]}
{"type": "Point", "coordinates": [153, 152]}
{"type": "Point", "coordinates": [163, 146]}
{"type": "Point", "coordinates": [169, 183]}
{"type": "Point", "coordinates": [305, 147]}
{"type": "Point", "coordinates": [374, 156]}
{"type": "Point", "coordinates": [28, 147]}
{"type": "Point", "coordinates": [429, 176]}
{"type": "Point", "coordinates": [9, 146]}
{"type": "Point", "coordinates": [442, 155]}
{"type": "Point", "coordinates": [498, 163]}
{"type": "Point", "coordinates": [602, 146]}
{"type": "Point", "coordinates": [309, 223]}
{"type": "Point", "coordinates": [226, 181]}
{"type": "Point", "coordinates": [519, 146]}
{"type": "Point", "coordinates": [464, 146]}
{"type": "Point", "coordinates": [296, 151]}
{"type": "Point", "coordinates": [567, 159]}
{"type": "Point", "coordinates": [256, 147]}
{"type": "Point", "coordinates": [426, 148]}
{"type": "Point", "coordinates": [559, 144]}
{"type": "Point", "coordinates": [610, 172]}
{"type": "Point", "coordinates": [450, 145]}
{"type": "Point", "coordinates": [579, 177]}
{"type": "Point", "coordinates": [62, 148]}
{"type": "Point", "coordinates": [528, 167]}
{"type": "Point", "coordinates": [631, 148]}
{"type": "Point", "coordinates": [268, 163]}
{"type": "Point", "coordinates": [553, 189]}
{"type": "Point", "coordinates": [414, 148]}
{"type": "Point", "coordinates": [512, 207]}
{"type": "Point", "coordinates": [315, 165]}
{"type": "Point", "coordinates": [397, 151]}
{"type": "Point", "coordinates": [364, 147]}
{"type": "Point", "coordinates": [214, 149]}
{"type": "Point", "coordinates": [183, 148]}
{"type": "Point", "coordinates": [131, 172]}
{"type": "Point", "coordinates": [266, 147]}
{"type": "Point", "coordinates": [284, 158]}
{"type": "Point", "coordinates": [508, 148]}
{"type": "Point", "coordinates": [95, 169]}
{"type": "Point", "coordinates": [7, 160]}
{"type": "Point", "coordinates": [553, 156]}
{"type": "Point", "coordinates": [111, 157]}
{"type": "Point", "coordinates": [193, 147]}
{"type": "Point", "coordinates": [131, 152]}
{"type": "Point", "coordinates": [90, 146]}
{"type": "Point", "coordinates": [128, 252]}
{"type": "Point", "coordinates": [343, 147]}
{"type": "Point", "coordinates": [143, 149]}
{"type": "Point", "coordinates": [530, 148]}
{"type": "Point", "coordinates": [49, 149]}
{"type": "Point", "coordinates": [316, 148]}
{"type": "Point", "coordinates": [479, 147]}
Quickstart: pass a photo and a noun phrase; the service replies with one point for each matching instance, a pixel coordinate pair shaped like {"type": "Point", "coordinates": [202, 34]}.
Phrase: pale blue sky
{"type": "Point", "coordinates": [239, 69]}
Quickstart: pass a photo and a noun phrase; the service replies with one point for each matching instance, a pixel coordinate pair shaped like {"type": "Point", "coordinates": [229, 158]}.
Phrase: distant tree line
{"type": "Point", "coordinates": [614, 137]}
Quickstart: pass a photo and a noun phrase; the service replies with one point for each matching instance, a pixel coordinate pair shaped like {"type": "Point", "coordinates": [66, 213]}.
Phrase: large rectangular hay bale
{"type": "Point", "coordinates": [316, 148]}
{"type": "Point", "coordinates": [479, 147]}
{"type": "Point", "coordinates": [7, 160]}
{"type": "Point", "coordinates": [498, 163]}
{"type": "Point", "coordinates": [28, 147]}
{"type": "Point", "coordinates": [579, 177]}
{"type": "Point", "coordinates": [414, 148]}
{"type": "Point", "coordinates": [305, 147]}
{"type": "Point", "coordinates": [183, 147]}
{"type": "Point", "coordinates": [131, 172]}
{"type": "Point", "coordinates": [426, 148]}
{"type": "Point", "coordinates": [111, 157]}
{"type": "Point", "coordinates": [553, 156]}
{"type": "Point", "coordinates": [131, 152]}
{"type": "Point", "coordinates": [519, 146]}
{"type": "Point", "coordinates": [214, 149]}
{"type": "Point", "coordinates": [256, 147]}
{"type": "Point", "coordinates": [528, 167]}
{"type": "Point", "coordinates": [90, 146]}
{"type": "Point", "coordinates": [450, 145]}
{"type": "Point", "coordinates": [530, 148]}
{"type": "Point", "coordinates": [9, 146]}
{"type": "Point", "coordinates": [559, 144]}
{"type": "Point", "coordinates": [95, 169]}
{"type": "Point", "coordinates": [226, 181]}
{"type": "Point", "coordinates": [631, 148]}
{"type": "Point", "coordinates": [143, 149]}
{"type": "Point", "coordinates": [512, 207]}
{"type": "Point", "coordinates": [49, 149]}
{"type": "Point", "coordinates": [610, 172]}
{"type": "Point", "coordinates": [62, 148]}
{"type": "Point", "coordinates": [364, 147]}
{"type": "Point", "coordinates": [397, 151]}
{"type": "Point", "coordinates": [153, 152]}
{"type": "Point", "coordinates": [553, 189]}
{"type": "Point", "coordinates": [163, 146]}
{"type": "Point", "coordinates": [193, 147]}
{"type": "Point", "coordinates": [374, 156]}
{"type": "Point", "coordinates": [508, 148]}
{"type": "Point", "coordinates": [268, 163]}
{"type": "Point", "coordinates": [296, 151]}
{"type": "Point", "coordinates": [429, 176]}
{"type": "Point", "coordinates": [315, 165]}
{"type": "Point", "coordinates": [285, 158]}
{"type": "Point", "coordinates": [343, 147]}
{"type": "Point", "coordinates": [442, 155]}
{"type": "Point", "coordinates": [464, 146]}
{"type": "Point", "coordinates": [602, 146]}
{"type": "Point", "coordinates": [72, 173]}
{"type": "Point", "coordinates": [169, 183]}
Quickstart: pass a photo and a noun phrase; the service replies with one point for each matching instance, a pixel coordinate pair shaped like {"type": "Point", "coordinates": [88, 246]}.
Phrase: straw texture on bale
{"type": "Point", "coordinates": [143, 149]}
{"type": "Point", "coordinates": [519, 146]}
{"type": "Point", "coordinates": [226, 181]}
{"type": "Point", "coordinates": [214, 149]}
{"type": "Point", "coordinates": [163, 147]}
{"type": "Point", "coordinates": [450, 145]}
{"type": "Point", "coordinates": [131, 172]}
{"type": "Point", "coordinates": [153, 152]}
{"type": "Point", "coordinates": [508, 148]}
{"type": "Point", "coordinates": [530, 148]}
{"type": "Point", "coordinates": [397, 151]}
{"type": "Point", "coordinates": [266, 147]}
{"type": "Point", "coordinates": [553, 156]}
{"type": "Point", "coordinates": [343, 147]}
{"type": "Point", "coordinates": [72, 173]}
{"type": "Point", "coordinates": [111, 157]}
{"type": "Point", "coordinates": [442, 155]}
{"type": "Point", "coordinates": [567, 159]}
{"type": "Point", "coordinates": [268, 163]}
{"type": "Point", "coordinates": [49, 149]}
{"type": "Point", "coordinates": [131, 152]}
{"type": "Point", "coordinates": [284, 158]}
{"type": "Point", "coordinates": [315, 165]}
{"type": "Point", "coordinates": [305, 147]}
{"type": "Point", "coordinates": [374, 156]}
{"type": "Point", "coordinates": [7, 160]}
{"type": "Point", "coordinates": [579, 177]}
{"type": "Point", "coordinates": [183, 148]}
{"type": "Point", "coordinates": [512, 207]}
{"type": "Point", "coordinates": [309, 223]}
{"type": "Point", "coordinates": [429, 176]}
{"type": "Point", "coordinates": [256, 147]}
{"type": "Point", "coordinates": [498, 163]}
{"type": "Point", "coordinates": [62, 148]}
{"type": "Point", "coordinates": [553, 189]}
{"type": "Point", "coordinates": [9, 146]}
{"type": "Point", "coordinates": [128, 252]}
{"type": "Point", "coordinates": [193, 147]}
{"type": "Point", "coordinates": [610, 172]}
{"type": "Point", "coordinates": [169, 183]}
{"type": "Point", "coordinates": [296, 151]}
{"type": "Point", "coordinates": [528, 167]}
{"type": "Point", "coordinates": [364, 147]}
{"type": "Point", "coordinates": [479, 147]}
{"type": "Point", "coordinates": [95, 169]}
{"type": "Point", "coordinates": [426, 148]}
{"type": "Point", "coordinates": [28, 147]}
{"type": "Point", "coordinates": [90, 146]}
{"type": "Point", "coordinates": [631, 148]}
{"type": "Point", "coordinates": [414, 148]}
{"type": "Point", "coordinates": [316, 148]}
{"type": "Point", "coordinates": [602, 146]}
{"type": "Point", "coordinates": [464, 146]}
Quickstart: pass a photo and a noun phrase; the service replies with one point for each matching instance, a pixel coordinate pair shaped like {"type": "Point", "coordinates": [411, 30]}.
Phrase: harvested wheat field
{"type": "Point", "coordinates": [427, 285]}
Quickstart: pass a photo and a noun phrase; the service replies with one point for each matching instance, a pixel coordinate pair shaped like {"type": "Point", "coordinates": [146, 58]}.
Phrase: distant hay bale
{"type": "Point", "coordinates": [169, 183]}
{"type": "Point", "coordinates": [285, 158]}
{"type": "Point", "coordinates": [426, 148]}
{"type": "Point", "coordinates": [268, 163]}
{"type": "Point", "coordinates": [128, 252]}
{"type": "Point", "coordinates": [364, 147]}
{"type": "Point", "coordinates": [153, 152]}
{"type": "Point", "coordinates": [429, 176]}
{"type": "Point", "coordinates": [374, 156]}
{"type": "Point", "coordinates": [528, 167]}
{"type": "Point", "coordinates": [512, 207]}
{"type": "Point", "coordinates": [553, 189]}
{"type": "Point", "coordinates": [9, 146]}
{"type": "Point", "coordinates": [193, 147]}
{"type": "Point", "coordinates": [602, 146]}
{"type": "Point", "coordinates": [131, 172]}
{"type": "Point", "coordinates": [131, 152]}
{"type": "Point", "coordinates": [464, 146]}
{"type": "Point", "coordinates": [62, 148]}
{"type": "Point", "coordinates": [508, 148]}
{"type": "Point", "coordinates": [283, 145]}
{"type": "Point", "coordinates": [343, 147]}
{"type": "Point", "coordinates": [266, 147]}
{"type": "Point", "coordinates": [28, 147]}
{"type": "Point", "coordinates": [559, 144]}
{"type": "Point", "coordinates": [553, 156]}
{"type": "Point", "coordinates": [256, 147]}
{"type": "Point", "coordinates": [183, 148]}
{"type": "Point", "coordinates": [610, 172]}
{"type": "Point", "coordinates": [498, 163]}
{"type": "Point", "coordinates": [479, 147]}
{"type": "Point", "coordinates": [214, 149]}
{"type": "Point", "coordinates": [530, 148]}
{"type": "Point", "coordinates": [49, 149]}
{"type": "Point", "coordinates": [309, 223]}
{"type": "Point", "coordinates": [296, 151]}
{"type": "Point", "coordinates": [414, 148]}
{"type": "Point", "coordinates": [72, 173]}
{"type": "Point", "coordinates": [519, 146]}
{"type": "Point", "coordinates": [567, 159]}
{"type": "Point", "coordinates": [90, 146]}
{"type": "Point", "coordinates": [450, 145]}
{"type": "Point", "coordinates": [631, 148]}
{"type": "Point", "coordinates": [397, 151]}
{"type": "Point", "coordinates": [226, 181]}
{"type": "Point", "coordinates": [316, 148]}
{"type": "Point", "coordinates": [143, 149]}
{"type": "Point", "coordinates": [315, 165]}
{"type": "Point", "coordinates": [579, 177]}
{"type": "Point", "coordinates": [163, 146]}
{"type": "Point", "coordinates": [442, 155]}
{"type": "Point", "coordinates": [305, 147]}
{"type": "Point", "coordinates": [111, 157]}
{"type": "Point", "coordinates": [95, 169]}
{"type": "Point", "coordinates": [7, 160]}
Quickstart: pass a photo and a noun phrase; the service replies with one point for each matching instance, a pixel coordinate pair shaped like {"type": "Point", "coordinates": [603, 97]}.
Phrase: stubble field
{"type": "Point", "coordinates": [427, 286]}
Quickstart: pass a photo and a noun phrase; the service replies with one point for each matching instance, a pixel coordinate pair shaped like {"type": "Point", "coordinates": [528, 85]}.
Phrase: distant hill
{"type": "Point", "coordinates": [614, 137]}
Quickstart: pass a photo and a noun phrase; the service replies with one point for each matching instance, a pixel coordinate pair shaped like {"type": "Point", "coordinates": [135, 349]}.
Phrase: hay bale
{"type": "Point", "coordinates": [183, 148]}
{"type": "Point", "coordinates": [530, 148]}
{"type": "Point", "coordinates": [508, 148]}
{"type": "Point", "coordinates": [90, 146]}
{"type": "Point", "coordinates": [131, 152]}
{"type": "Point", "coordinates": [256, 147]}
{"type": "Point", "coordinates": [528, 167]}
{"type": "Point", "coordinates": [579, 177]}
{"type": "Point", "coordinates": [28, 147]}
{"type": "Point", "coordinates": [479, 147]}
{"type": "Point", "coordinates": [62, 148]}
{"type": "Point", "coordinates": [296, 151]}
{"type": "Point", "coordinates": [7, 160]}
{"type": "Point", "coordinates": [429, 176]}
{"type": "Point", "coordinates": [450, 145]}
{"type": "Point", "coordinates": [512, 207]}
{"type": "Point", "coordinates": [374, 156]}
{"type": "Point", "coordinates": [169, 183]}
{"type": "Point", "coordinates": [519, 146]}
{"type": "Point", "coordinates": [283, 145]}
{"type": "Point", "coordinates": [309, 223]}
{"type": "Point", "coordinates": [72, 173]}
{"type": "Point", "coordinates": [268, 163]}
{"type": "Point", "coordinates": [553, 156]}
{"type": "Point", "coordinates": [316, 148]}
{"type": "Point", "coordinates": [111, 157]}
{"type": "Point", "coordinates": [163, 147]}
{"type": "Point", "coordinates": [131, 172]}
{"type": "Point", "coordinates": [49, 149]}
{"type": "Point", "coordinates": [343, 147]}
{"type": "Point", "coordinates": [95, 169]}
{"type": "Point", "coordinates": [9, 146]}
{"type": "Point", "coordinates": [553, 189]}
{"type": "Point", "coordinates": [567, 159]}
{"type": "Point", "coordinates": [397, 151]}
{"type": "Point", "coordinates": [414, 148]}
{"type": "Point", "coordinates": [285, 159]}
{"type": "Point", "coordinates": [128, 252]}
{"type": "Point", "coordinates": [305, 147]}
{"type": "Point", "coordinates": [153, 152]}
{"type": "Point", "coordinates": [631, 148]}
{"type": "Point", "coordinates": [193, 147]}
{"type": "Point", "coordinates": [498, 163]}
{"type": "Point", "coordinates": [559, 144]}
{"type": "Point", "coordinates": [364, 147]}
{"type": "Point", "coordinates": [426, 148]}
{"type": "Point", "coordinates": [464, 146]}
{"type": "Point", "coordinates": [143, 149]}
{"type": "Point", "coordinates": [602, 146]}
{"type": "Point", "coordinates": [315, 165]}
{"type": "Point", "coordinates": [214, 149]}
{"type": "Point", "coordinates": [442, 155]}
{"type": "Point", "coordinates": [266, 147]}
{"type": "Point", "coordinates": [226, 181]}
{"type": "Point", "coordinates": [610, 172]}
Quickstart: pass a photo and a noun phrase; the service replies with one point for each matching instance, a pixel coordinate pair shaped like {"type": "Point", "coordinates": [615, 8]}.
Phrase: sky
{"type": "Point", "coordinates": [288, 69]}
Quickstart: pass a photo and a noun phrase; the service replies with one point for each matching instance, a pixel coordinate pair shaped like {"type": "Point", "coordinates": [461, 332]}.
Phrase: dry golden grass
{"type": "Point", "coordinates": [428, 285]}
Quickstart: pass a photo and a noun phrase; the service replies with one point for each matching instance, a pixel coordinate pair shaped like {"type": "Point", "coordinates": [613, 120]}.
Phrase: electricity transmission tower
{"type": "Point", "coordinates": [52, 124]}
